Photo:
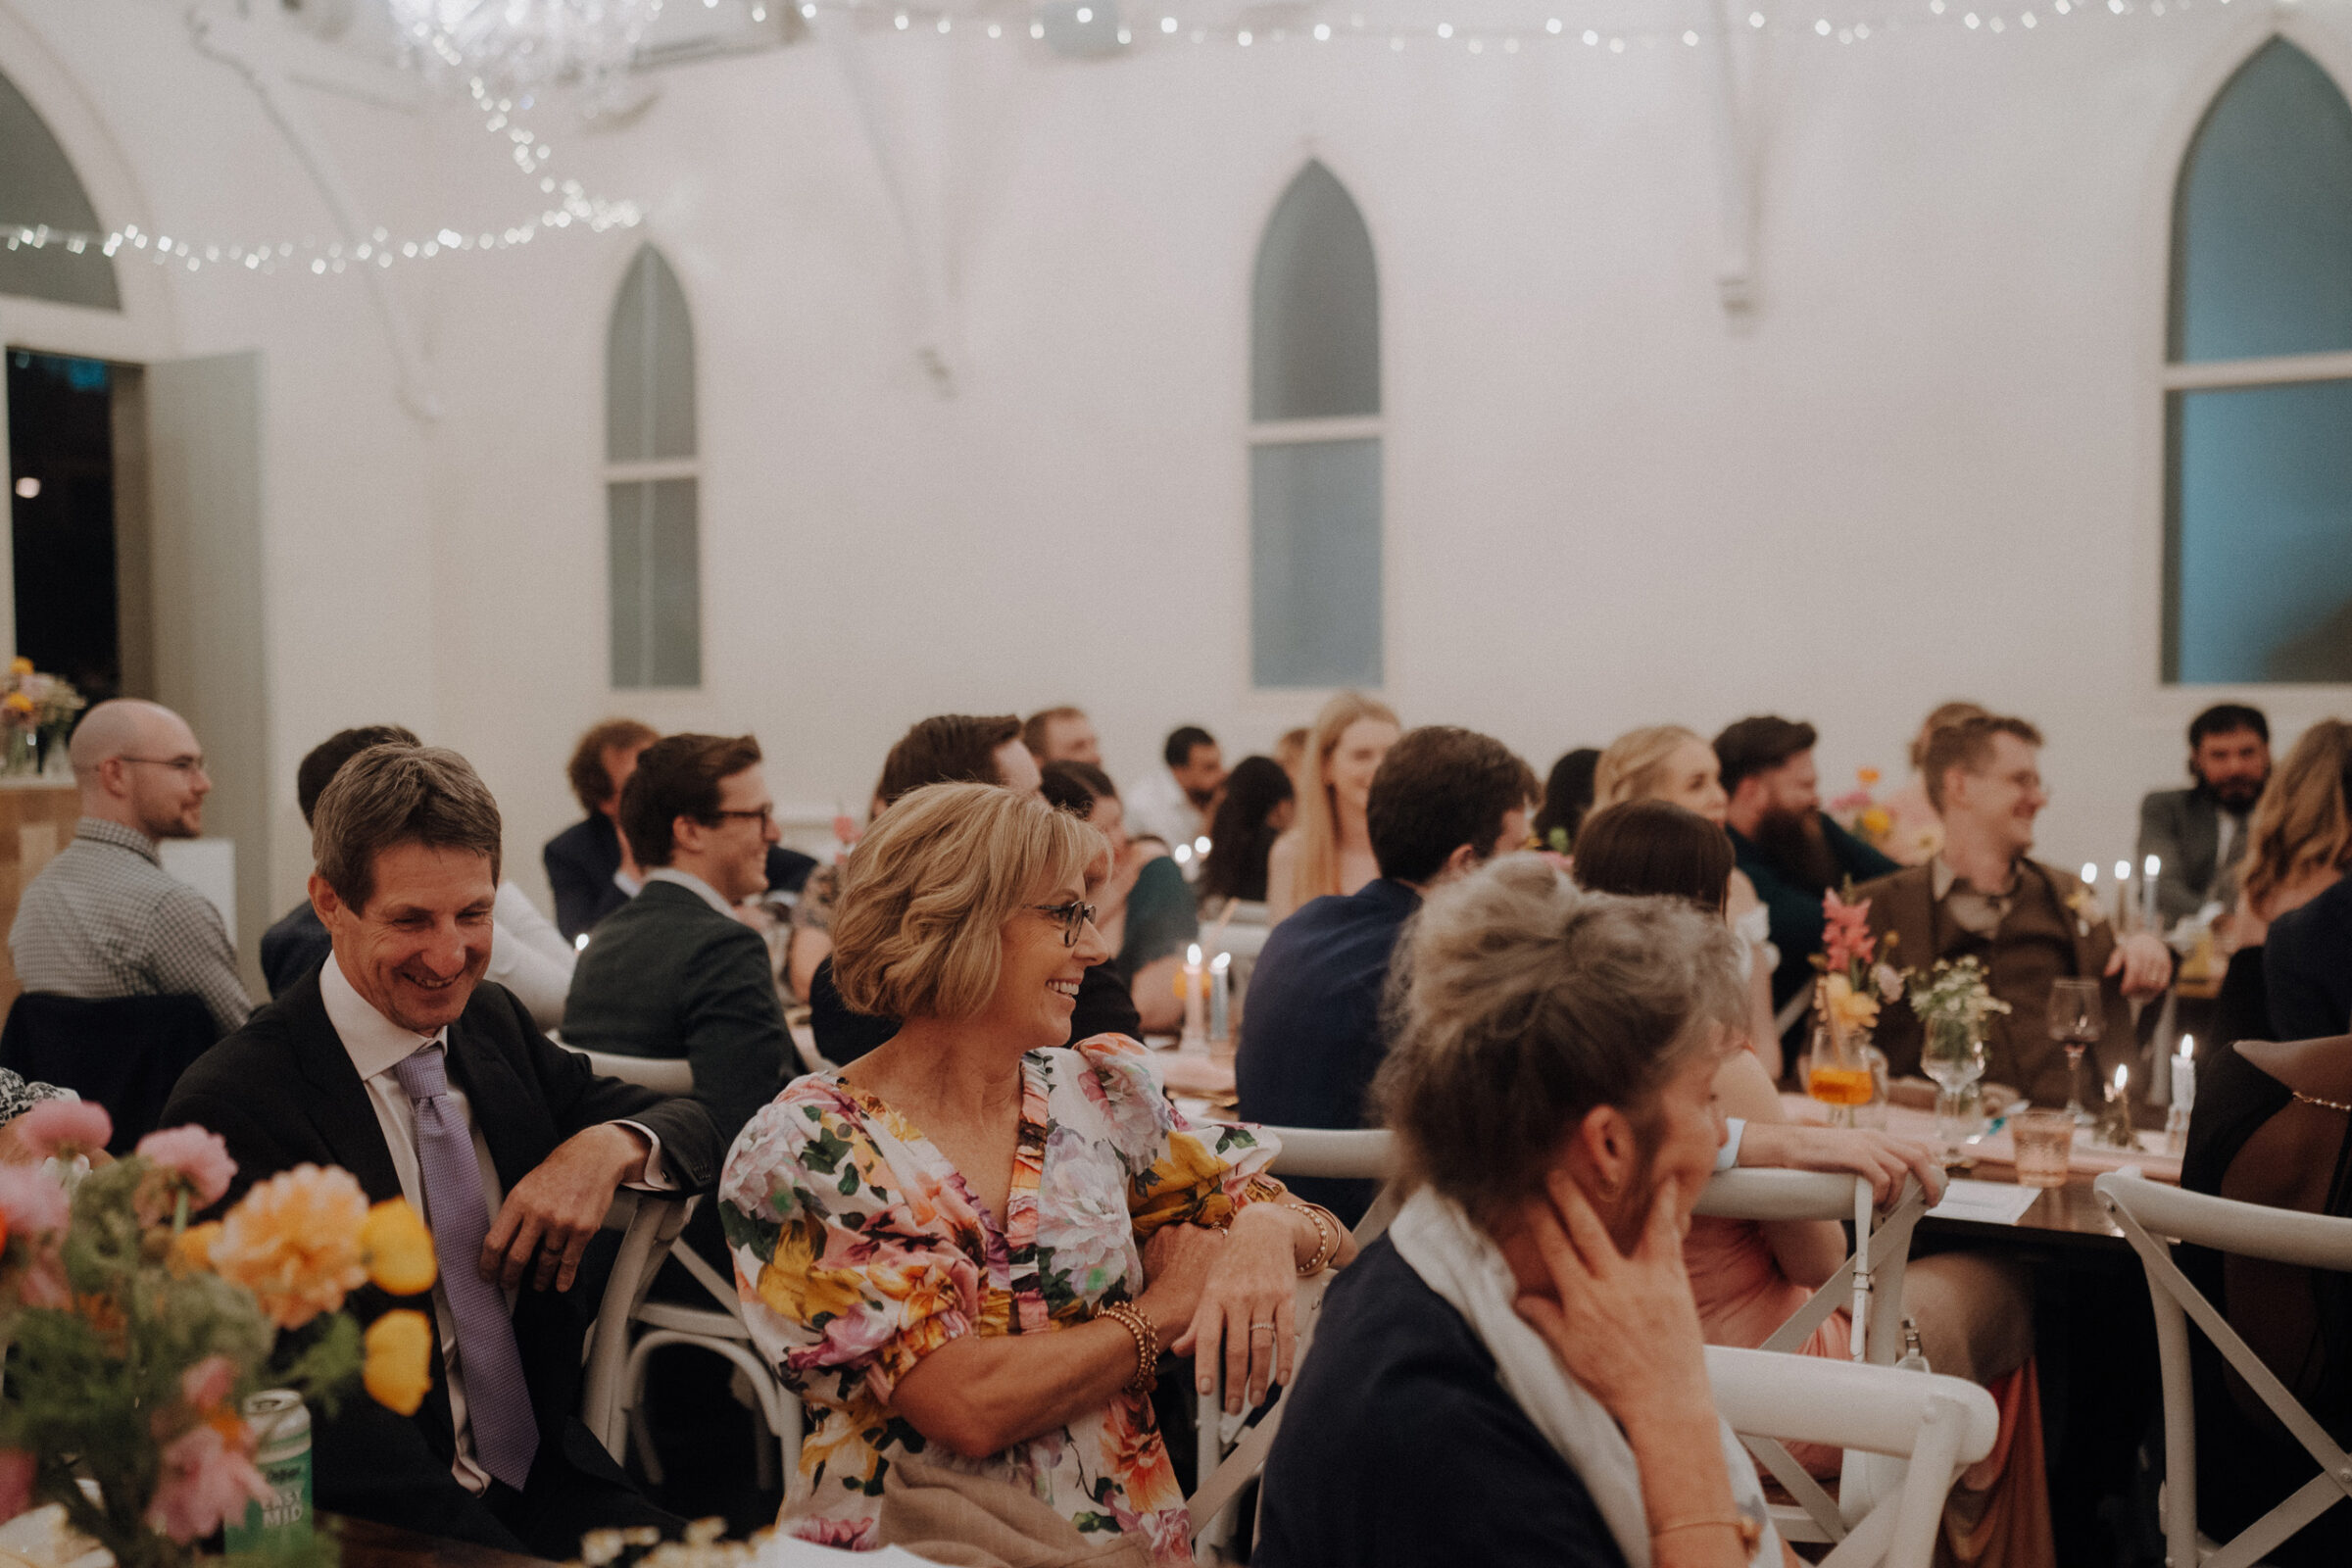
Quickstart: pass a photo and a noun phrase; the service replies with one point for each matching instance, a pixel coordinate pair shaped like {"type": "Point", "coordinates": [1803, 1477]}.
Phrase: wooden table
{"type": "Point", "coordinates": [2061, 1216]}
{"type": "Point", "coordinates": [369, 1545]}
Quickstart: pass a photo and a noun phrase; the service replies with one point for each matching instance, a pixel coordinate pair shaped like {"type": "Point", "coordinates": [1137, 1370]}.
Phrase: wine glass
{"type": "Point", "coordinates": [1953, 1054]}
{"type": "Point", "coordinates": [2078, 1018]}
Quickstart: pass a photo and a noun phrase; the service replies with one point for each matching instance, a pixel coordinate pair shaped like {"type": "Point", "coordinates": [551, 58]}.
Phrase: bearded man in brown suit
{"type": "Point", "coordinates": [2028, 924]}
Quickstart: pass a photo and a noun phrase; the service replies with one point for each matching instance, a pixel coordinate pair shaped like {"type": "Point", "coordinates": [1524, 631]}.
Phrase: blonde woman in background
{"type": "Point", "coordinates": [1328, 850]}
{"type": "Point", "coordinates": [2300, 836]}
{"type": "Point", "coordinates": [1668, 762]}
{"type": "Point", "coordinates": [1914, 830]}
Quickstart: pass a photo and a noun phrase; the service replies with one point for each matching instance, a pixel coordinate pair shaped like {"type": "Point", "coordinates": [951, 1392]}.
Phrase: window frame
{"type": "Point", "coordinates": [1378, 427]}
{"type": "Point", "coordinates": [2174, 377]}
{"type": "Point", "coordinates": [649, 470]}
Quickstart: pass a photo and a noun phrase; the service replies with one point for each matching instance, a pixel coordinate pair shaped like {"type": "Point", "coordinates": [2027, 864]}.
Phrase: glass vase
{"type": "Point", "coordinates": [1839, 1074]}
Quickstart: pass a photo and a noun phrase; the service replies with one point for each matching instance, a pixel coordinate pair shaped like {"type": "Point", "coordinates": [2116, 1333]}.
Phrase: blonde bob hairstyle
{"type": "Point", "coordinates": [1520, 1001]}
{"type": "Point", "coordinates": [1634, 768]}
{"type": "Point", "coordinates": [919, 929]}
{"type": "Point", "coordinates": [2301, 825]}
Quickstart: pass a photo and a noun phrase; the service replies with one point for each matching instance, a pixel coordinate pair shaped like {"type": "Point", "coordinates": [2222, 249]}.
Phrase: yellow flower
{"type": "Point", "coordinates": [399, 1248]}
{"type": "Point", "coordinates": [20, 666]}
{"type": "Point", "coordinates": [1876, 823]}
{"type": "Point", "coordinates": [795, 1287]}
{"type": "Point", "coordinates": [1849, 1009]}
{"type": "Point", "coordinates": [1868, 776]}
{"type": "Point", "coordinates": [400, 1360]}
{"type": "Point", "coordinates": [294, 1242]}
{"type": "Point", "coordinates": [192, 1253]}
{"type": "Point", "coordinates": [17, 703]}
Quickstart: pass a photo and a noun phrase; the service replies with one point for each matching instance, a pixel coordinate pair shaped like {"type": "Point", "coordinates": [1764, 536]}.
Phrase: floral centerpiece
{"type": "Point", "coordinates": [1855, 980]}
{"type": "Point", "coordinates": [135, 1336]}
{"type": "Point", "coordinates": [37, 713]}
{"type": "Point", "coordinates": [1955, 995]}
{"type": "Point", "coordinates": [1859, 813]}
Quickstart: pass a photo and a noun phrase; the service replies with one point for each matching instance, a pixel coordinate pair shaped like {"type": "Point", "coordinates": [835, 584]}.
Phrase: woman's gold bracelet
{"type": "Point", "coordinates": [1748, 1530]}
{"type": "Point", "coordinates": [1146, 1332]}
{"type": "Point", "coordinates": [1325, 1228]}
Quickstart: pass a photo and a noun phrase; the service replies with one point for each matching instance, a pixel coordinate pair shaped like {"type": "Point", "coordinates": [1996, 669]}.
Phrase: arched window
{"type": "Point", "coordinates": [650, 481]}
{"type": "Point", "coordinates": [38, 189]}
{"type": "Point", "coordinates": [1314, 443]}
{"type": "Point", "coordinates": [2258, 570]}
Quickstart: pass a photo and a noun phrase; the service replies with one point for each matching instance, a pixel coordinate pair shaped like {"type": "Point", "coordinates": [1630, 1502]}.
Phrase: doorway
{"type": "Point", "coordinates": [61, 473]}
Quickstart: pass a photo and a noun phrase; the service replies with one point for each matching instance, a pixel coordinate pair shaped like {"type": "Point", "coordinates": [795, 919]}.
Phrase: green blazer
{"type": "Point", "coordinates": [667, 976]}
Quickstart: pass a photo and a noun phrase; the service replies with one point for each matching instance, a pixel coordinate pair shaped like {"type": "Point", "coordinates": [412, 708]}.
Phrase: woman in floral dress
{"type": "Point", "coordinates": [971, 1247]}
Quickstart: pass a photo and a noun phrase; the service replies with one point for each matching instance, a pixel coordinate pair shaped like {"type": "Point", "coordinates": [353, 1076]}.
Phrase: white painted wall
{"type": "Point", "coordinates": [1927, 468]}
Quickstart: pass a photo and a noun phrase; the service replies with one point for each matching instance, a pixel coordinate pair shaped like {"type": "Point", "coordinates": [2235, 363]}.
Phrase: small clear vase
{"type": "Point", "coordinates": [1839, 1074]}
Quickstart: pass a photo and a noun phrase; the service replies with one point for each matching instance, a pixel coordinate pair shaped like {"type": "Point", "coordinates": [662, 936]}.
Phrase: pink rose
{"type": "Point", "coordinates": [16, 1482]}
{"type": "Point", "coordinates": [206, 1383]}
{"type": "Point", "coordinates": [65, 1127]}
{"type": "Point", "coordinates": [196, 1156]}
{"type": "Point", "coordinates": [205, 1483]}
{"type": "Point", "coordinates": [33, 1203]}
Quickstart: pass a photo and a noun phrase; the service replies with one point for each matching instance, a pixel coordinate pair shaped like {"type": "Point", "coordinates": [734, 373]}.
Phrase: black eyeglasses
{"type": "Point", "coordinates": [1072, 917]}
{"type": "Point", "coordinates": [765, 815]}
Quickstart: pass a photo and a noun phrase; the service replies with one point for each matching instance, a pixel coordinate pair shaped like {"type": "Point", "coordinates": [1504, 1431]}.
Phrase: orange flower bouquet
{"type": "Point", "coordinates": [134, 1336]}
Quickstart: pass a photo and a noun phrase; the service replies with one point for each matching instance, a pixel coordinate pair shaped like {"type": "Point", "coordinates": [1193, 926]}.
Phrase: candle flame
{"type": "Point", "coordinates": [2090, 873]}
{"type": "Point", "coordinates": [2123, 870]}
{"type": "Point", "coordinates": [2120, 1072]}
{"type": "Point", "coordinates": [1192, 955]}
{"type": "Point", "coordinates": [1222, 963]}
{"type": "Point", "coordinates": [2189, 1046]}
{"type": "Point", "coordinates": [2152, 864]}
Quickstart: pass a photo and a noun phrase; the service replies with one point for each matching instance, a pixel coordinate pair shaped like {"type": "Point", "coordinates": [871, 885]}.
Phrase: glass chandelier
{"type": "Point", "coordinates": [526, 46]}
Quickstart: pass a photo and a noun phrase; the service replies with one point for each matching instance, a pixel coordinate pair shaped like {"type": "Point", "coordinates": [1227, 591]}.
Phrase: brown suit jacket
{"type": "Point", "coordinates": [1905, 904]}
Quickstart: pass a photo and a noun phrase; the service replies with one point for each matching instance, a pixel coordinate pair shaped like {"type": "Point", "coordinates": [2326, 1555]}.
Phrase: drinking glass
{"type": "Point", "coordinates": [2078, 1018]}
{"type": "Point", "coordinates": [1953, 1054]}
{"type": "Point", "coordinates": [2045, 1141]}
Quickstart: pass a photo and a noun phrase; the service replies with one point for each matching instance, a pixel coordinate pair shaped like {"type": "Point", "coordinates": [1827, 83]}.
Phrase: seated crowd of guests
{"type": "Point", "coordinates": [971, 1238]}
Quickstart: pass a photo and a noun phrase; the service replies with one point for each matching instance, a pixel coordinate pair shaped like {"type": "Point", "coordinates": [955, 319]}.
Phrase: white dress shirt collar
{"type": "Point", "coordinates": [376, 1043]}
{"type": "Point", "coordinates": [694, 885]}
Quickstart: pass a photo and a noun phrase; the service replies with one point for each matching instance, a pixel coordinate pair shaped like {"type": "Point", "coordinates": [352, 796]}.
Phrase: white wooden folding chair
{"type": "Point", "coordinates": [2150, 1214]}
{"type": "Point", "coordinates": [717, 1328]}
{"type": "Point", "coordinates": [1938, 1425]}
{"type": "Point", "coordinates": [649, 1224]}
{"type": "Point", "coordinates": [1365, 1153]}
{"type": "Point", "coordinates": [1869, 1284]}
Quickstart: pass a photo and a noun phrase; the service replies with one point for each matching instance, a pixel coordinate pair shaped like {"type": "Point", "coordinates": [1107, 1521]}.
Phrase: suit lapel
{"type": "Point", "coordinates": [338, 1103]}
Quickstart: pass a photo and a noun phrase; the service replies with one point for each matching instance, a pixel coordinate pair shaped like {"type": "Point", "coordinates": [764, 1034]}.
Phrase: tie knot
{"type": "Point", "coordinates": [423, 1073]}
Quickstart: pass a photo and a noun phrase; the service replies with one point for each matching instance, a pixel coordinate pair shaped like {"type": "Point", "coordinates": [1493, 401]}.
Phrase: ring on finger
{"type": "Point", "coordinates": [1257, 1328]}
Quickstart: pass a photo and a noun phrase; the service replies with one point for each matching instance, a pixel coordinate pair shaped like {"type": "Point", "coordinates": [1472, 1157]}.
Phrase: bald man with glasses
{"type": "Point", "coordinates": [103, 918]}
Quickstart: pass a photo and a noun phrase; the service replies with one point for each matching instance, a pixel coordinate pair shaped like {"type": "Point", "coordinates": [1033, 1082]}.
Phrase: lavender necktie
{"type": "Point", "coordinates": [498, 1402]}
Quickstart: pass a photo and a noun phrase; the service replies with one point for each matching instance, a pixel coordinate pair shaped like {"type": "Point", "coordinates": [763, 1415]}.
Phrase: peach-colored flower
{"type": "Point", "coordinates": [20, 666]}
{"type": "Point", "coordinates": [399, 1248]}
{"type": "Point", "coordinates": [16, 1470]}
{"type": "Point", "coordinates": [1868, 776]}
{"type": "Point", "coordinates": [194, 1158]}
{"type": "Point", "coordinates": [192, 1253]}
{"type": "Point", "coordinates": [65, 1127]}
{"type": "Point", "coordinates": [206, 1481]}
{"type": "Point", "coordinates": [400, 1360]}
{"type": "Point", "coordinates": [294, 1242]}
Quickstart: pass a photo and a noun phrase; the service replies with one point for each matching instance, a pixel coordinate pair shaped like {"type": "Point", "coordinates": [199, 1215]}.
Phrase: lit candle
{"type": "Point", "coordinates": [2115, 1090]}
{"type": "Point", "coordinates": [2090, 873]}
{"type": "Point", "coordinates": [2123, 895]}
{"type": "Point", "coordinates": [2185, 1076]}
{"type": "Point", "coordinates": [1196, 1024]}
{"type": "Point", "coordinates": [2147, 891]}
{"type": "Point", "coordinates": [1220, 997]}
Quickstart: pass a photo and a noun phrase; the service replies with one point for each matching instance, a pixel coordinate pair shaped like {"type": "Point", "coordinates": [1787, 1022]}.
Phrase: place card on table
{"type": "Point", "coordinates": [1985, 1203]}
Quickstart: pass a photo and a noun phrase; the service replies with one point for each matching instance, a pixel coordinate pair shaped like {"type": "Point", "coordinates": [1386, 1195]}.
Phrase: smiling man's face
{"type": "Point", "coordinates": [419, 949]}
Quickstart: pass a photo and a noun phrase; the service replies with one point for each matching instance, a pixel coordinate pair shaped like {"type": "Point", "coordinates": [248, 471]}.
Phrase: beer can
{"type": "Point", "coordinates": [281, 1429]}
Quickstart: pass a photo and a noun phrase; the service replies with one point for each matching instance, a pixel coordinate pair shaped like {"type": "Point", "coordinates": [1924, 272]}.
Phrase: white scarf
{"type": "Point", "coordinates": [1457, 1260]}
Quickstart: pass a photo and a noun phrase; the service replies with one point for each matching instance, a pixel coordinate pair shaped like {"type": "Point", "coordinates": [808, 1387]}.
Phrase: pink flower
{"type": "Point", "coordinates": [65, 1127]}
{"type": "Point", "coordinates": [16, 1482]}
{"type": "Point", "coordinates": [208, 1382]}
{"type": "Point", "coordinates": [205, 1483]}
{"type": "Point", "coordinates": [196, 1156]}
{"type": "Point", "coordinates": [33, 1204]}
{"type": "Point", "coordinates": [1845, 938]}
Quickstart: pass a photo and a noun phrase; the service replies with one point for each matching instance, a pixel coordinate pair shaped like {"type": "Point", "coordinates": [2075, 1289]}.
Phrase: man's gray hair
{"type": "Point", "coordinates": [392, 795]}
{"type": "Point", "coordinates": [1520, 1002]}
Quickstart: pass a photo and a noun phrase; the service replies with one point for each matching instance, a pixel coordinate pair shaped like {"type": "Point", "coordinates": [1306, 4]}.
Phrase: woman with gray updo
{"type": "Point", "coordinates": [1514, 1374]}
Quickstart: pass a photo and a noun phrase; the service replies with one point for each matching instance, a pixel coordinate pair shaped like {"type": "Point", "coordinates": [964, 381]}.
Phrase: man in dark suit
{"type": "Point", "coordinates": [298, 944]}
{"type": "Point", "coordinates": [2198, 834]}
{"type": "Point", "coordinates": [1444, 802]}
{"type": "Point", "coordinates": [395, 1062]}
{"type": "Point", "coordinates": [583, 860]}
{"type": "Point", "coordinates": [2027, 923]}
{"type": "Point", "coordinates": [1787, 844]}
{"type": "Point", "coordinates": [672, 973]}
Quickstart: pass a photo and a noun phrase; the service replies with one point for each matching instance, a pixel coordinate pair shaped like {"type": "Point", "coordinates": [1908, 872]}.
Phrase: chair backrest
{"type": "Point", "coordinates": [668, 1075]}
{"type": "Point", "coordinates": [649, 1224]}
{"type": "Point", "coordinates": [125, 1052]}
{"type": "Point", "coordinates": [1362, 1154]}
{"type": "Point", "coordinates": [1941, 1424]}
{"type": "Point", "coordinates": [1873, 1293]}
{"type": "Point", "coordinates": [2149, 1215]}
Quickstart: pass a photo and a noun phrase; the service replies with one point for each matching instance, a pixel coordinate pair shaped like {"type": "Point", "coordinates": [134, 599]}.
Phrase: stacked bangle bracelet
{"type": "Point", "coordinates": [1146, 1332]}
{"type": "Point", "coordinates": [1325, 1228]}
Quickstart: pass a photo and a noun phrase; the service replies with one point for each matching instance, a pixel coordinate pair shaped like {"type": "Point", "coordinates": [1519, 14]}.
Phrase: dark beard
{"type": "Point", "coordinates": [2237, 796]}
{"type": "Point", "coordinates": [1795, 844]}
